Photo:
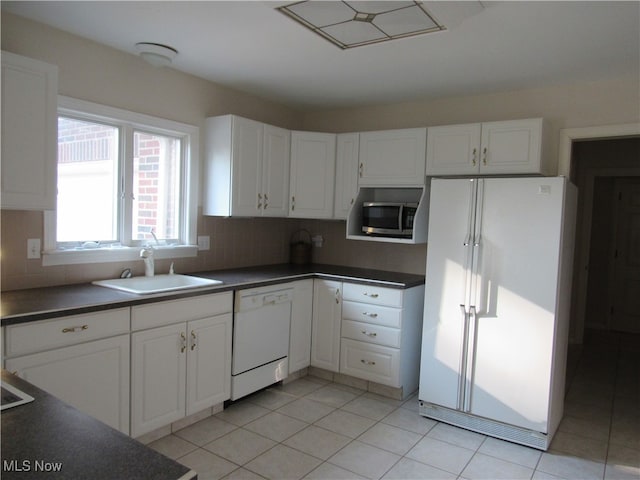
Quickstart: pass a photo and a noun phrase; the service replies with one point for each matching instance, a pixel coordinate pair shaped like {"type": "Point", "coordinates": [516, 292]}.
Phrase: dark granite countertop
{"type": "Point", "coordinates": [49, 431]}
{"type": "Point", "coordinates": [20, 306]}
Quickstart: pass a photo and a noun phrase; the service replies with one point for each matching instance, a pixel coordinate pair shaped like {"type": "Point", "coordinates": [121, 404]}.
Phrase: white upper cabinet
{"type": "Point", "coordinates": [29, 133]}
{"type": "Point", "coordinates": [246, 168]}
{"type": "Point", "coordinates": [275, 171]}
{"type": "Point", "coordinates": [491, 148]}
{"type": "Point", "coordinates": [346, 174]}
{"type": "Point", "coordinates": [393, 157]}
{"type": "Point", "coordinates": [453, 149]}
{"type": "Point", "coordinates": [313, 164]}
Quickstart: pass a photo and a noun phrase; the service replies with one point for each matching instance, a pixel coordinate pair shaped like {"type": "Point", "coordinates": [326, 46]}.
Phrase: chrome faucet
{"type": "Point", "coordinates": [147, 255]}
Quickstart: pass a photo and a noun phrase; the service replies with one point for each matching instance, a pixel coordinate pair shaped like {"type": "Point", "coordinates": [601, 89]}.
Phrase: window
{"type": "Point", "coordinates": [124, 180]}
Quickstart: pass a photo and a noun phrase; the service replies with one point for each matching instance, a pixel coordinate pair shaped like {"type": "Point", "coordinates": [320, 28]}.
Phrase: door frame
{"type": "Point", "coordinates": [583, 240]}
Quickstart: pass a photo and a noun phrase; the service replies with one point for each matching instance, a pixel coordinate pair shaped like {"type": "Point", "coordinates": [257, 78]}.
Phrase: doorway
{"type": "Point", "coordinates": [606, 293]}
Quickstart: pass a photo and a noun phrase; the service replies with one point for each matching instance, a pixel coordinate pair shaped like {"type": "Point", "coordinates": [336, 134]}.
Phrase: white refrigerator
{"type": "Point", "coordinates": [496, 313]}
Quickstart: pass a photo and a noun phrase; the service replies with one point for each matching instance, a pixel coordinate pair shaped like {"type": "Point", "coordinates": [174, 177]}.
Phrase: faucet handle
{"type": "Point", "coordinates": [171, 272]}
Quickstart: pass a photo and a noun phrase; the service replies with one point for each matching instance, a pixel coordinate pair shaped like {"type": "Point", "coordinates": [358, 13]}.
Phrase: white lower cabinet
{"type": "Point", "coordinates": [368, 332]}
{"type": "Point", "coordinates": [93, 376]}
{"type": "Point", "coordinates": [181, 368]}
{"type": "Point", "coordinates": [325, 332]}
{"type": "Point", "coordinates": [370, 362]}
{"type": "Point", "coordinates": [380, 335]}
{"type": "Point", "coordinates": [158, 374]}
{"type": "Point", "coordinates": [300, 329]}
{"type": "Point", "coordinates": [209, 362]}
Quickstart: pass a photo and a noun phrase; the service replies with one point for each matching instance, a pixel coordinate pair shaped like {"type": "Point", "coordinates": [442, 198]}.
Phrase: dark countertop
{"type": "Point", "coordinates": [48, 430]}
{"type": "Point", "coordinates": [20, 306]}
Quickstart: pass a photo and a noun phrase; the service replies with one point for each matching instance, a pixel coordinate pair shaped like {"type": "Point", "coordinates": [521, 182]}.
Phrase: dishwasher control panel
{"type": "Point", "coordinates": [257, 298]}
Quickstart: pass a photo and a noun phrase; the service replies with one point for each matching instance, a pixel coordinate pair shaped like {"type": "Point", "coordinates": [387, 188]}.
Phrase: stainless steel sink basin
{"type": "Point", "coordinates": [157, 283]}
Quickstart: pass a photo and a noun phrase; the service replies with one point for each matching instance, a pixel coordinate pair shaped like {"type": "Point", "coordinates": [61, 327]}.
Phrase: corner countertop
{"type": "Point", "coordinates": [21, 306]}
{"type": "Point", "coordinates": [48, 432]}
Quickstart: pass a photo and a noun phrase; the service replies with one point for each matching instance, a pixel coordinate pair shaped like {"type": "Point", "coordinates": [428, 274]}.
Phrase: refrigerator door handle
{"type": "Point", "coordinates": [462, 376]}
{"type": "Point", "coordinates": [469, 368]}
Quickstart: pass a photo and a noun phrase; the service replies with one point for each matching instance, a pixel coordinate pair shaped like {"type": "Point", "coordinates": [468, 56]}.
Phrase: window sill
{"type": "Point", "coordinates": [118, 254]}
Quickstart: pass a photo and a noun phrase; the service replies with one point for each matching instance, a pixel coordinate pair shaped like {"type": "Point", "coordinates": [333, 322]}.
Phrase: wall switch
{"type": "Point", "coordinates": [317, 240]}
{"type": "Point", "coordinates": [33, 248]}
{"type": "Point", "coordinates": [203, 242]}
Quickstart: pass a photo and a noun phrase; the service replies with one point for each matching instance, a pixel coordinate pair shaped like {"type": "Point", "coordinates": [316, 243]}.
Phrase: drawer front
{"type": "Point", "coordinates": [391, 297]}
{"type": "Point", "coordinates": [370, 362]}
{"type": "Point", "coordinates": [362, 312]}
{"type": "Point", "coordinates": [184, 310]}
{"type": "Point", "coordinates": [370, 333]}
{"type": "Point", "coordinates": [60, 332]}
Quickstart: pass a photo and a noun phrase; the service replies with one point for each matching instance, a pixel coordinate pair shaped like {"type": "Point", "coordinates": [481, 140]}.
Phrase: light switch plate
{"type": "Point", "coordinates": [33, 248]}
{"type": "Point", "coordinates": [203, 242]}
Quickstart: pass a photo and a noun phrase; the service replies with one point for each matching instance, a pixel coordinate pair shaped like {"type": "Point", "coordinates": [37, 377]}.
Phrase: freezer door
{"type": "Point", "coordinates": [449, 249]}
{"type": "Point", "coordinates": [515, 300]}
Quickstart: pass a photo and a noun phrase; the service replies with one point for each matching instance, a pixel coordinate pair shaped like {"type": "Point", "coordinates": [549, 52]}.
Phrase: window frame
{"type": "Point", "coordinates": [128, 122]}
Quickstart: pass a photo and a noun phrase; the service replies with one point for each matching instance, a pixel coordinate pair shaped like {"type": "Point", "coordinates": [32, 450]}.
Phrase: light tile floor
{"type": "Point", "coordinates": [313, 429]}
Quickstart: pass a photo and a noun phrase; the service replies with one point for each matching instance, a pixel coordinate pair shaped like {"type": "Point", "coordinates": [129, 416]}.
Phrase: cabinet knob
{"type": "Point", "coordinates": [372, 295]}
{"type": "Point", "coordinates": [360, 169]}
{"type": "Point", "coordinates": [193, 340]}
{"type": "Point", "coordinates": [372, 315]}
{"type": "Point", "coordinates": [367, 362]}
{"type": "Point", "coordinates": [484, 156]}
{"type": "Point", "coordinates": [369, 334]}
{"type": "Point", "coordinates": [293, 203]}
{"type": "Point", "coordinates": [473, 157]}
{"type": "Point", "coordinates": [337, 295]}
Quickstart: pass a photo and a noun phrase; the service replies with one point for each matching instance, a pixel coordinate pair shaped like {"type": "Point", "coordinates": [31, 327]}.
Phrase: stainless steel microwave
{"type": "Point", "coordinates": [388, 218]}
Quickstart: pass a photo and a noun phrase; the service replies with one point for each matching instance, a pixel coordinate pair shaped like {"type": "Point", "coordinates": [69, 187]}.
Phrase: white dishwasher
{"type": "Point", "coordinates": [260, 338]}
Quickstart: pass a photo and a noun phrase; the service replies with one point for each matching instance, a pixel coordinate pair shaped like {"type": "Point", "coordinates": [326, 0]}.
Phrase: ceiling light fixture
{"type": "Point", "coordinates": [156, 54]}
{"type": "Point", "coordinates": [349, 24]}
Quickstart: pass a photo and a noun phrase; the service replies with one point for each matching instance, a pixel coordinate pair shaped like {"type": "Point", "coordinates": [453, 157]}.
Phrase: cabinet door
{"type": "Point", "coordinates": [301, 320]}
{"type": "Point", "coordinates": [275, 171]}
{"type": "Point", "coordinates": [246, 154]}
{"type": "Point", "coordinates": [346, 174]}
{"type": "Point", "coordinates": [313, 157]}
{"type": "Point", "coordinates": [159, 360]}
{"type": "Point", "coordinates": [29, 133]}
{"type": "Point", "coordinates": [208, 362]}
{"type": "Point", "coordinates": [93, 377]}
{"type": "Point", "coordinates": [511, 147]}
{"type": "Point", "coordinates": [453, 149]}
{"type": "Point", "coordinates": [393, 157]}
{"type": "Point", "coordinates": [325, 333]}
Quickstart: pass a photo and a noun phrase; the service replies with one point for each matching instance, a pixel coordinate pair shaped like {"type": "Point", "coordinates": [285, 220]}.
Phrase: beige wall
{"type": "Point", "coordinates": [93, 72]}
{"type": "Point", "coordinates": [607, 102]}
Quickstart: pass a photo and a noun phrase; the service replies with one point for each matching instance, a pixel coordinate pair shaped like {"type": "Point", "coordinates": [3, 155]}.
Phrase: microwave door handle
{"type": "Point", "coordinates": [400, 217]}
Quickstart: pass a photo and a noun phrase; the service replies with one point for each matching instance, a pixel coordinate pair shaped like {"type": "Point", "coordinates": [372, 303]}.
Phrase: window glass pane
{"type": "Point", "coordinates": [156, 187]}
{"type": "Point", "coordinates": [87, 181]}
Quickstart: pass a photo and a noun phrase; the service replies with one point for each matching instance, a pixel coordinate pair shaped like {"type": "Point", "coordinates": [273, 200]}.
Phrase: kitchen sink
{"type": "Point", "coordinates": [157, 283]}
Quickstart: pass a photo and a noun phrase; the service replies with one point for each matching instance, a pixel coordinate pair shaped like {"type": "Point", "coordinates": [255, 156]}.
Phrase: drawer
{"type": "Point", "coordinates": [362, 312]}
{"type": "Point", "coordinates": [370, 333]}
{"type": "Point", "coordinates": [60, 332]}
{"type": "Point", "coordinates": [183, 310]}
{"type": "Point", "coordinates": [390, 297]}
{"type": "Point", "coordinates": [370, 362]}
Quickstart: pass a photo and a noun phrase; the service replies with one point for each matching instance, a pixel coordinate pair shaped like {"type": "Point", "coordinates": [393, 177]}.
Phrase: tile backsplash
{"type": "Point", "coordinates": [234, 243]}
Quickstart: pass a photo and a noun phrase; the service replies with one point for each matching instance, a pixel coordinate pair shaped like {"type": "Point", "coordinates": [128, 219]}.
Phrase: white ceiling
{"type": "Point", "coordinates": [250, 46]}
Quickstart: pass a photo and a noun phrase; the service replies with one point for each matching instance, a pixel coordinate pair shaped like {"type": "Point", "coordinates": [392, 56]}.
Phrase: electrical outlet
{"type": "Point", "coordinates": [203, 242]}
{"type": "Point", "coordinates": [33, 248]}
